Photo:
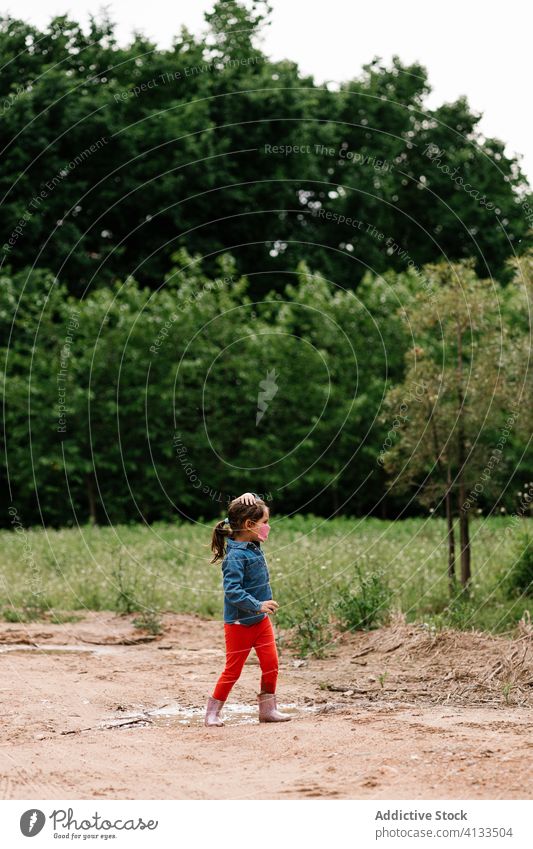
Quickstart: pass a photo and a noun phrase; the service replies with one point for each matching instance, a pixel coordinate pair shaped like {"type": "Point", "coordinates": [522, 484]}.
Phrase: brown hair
{"type": "Point", "coordinates": [237, 515]}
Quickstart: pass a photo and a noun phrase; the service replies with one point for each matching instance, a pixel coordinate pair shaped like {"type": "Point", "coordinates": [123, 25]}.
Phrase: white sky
{"type": "Point", "coordinates": [474, 47]}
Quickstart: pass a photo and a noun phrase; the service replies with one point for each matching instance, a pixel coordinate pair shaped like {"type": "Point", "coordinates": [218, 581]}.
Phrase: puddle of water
{"type": "Point", "coordinates": [16, 648]}
{"type": "Point", "coordinates": [170, 715]}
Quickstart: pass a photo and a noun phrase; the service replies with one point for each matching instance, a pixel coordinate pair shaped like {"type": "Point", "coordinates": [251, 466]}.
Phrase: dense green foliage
{"type": "Point", "coordinates": [207, 264]}
{"type": "Point", "coordinates": [135, 405]}
{"type": "Point", "coordinates": [213, 147]}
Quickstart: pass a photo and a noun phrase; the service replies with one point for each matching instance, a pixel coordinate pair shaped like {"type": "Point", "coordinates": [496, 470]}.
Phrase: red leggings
{"type": "Point", "coordinates": [240, 640]}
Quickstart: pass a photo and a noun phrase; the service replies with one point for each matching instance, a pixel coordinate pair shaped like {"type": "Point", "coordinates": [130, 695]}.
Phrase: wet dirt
{"type": "Point", "coordinates": [89, 711]}
{"type": "Point", "coordinates": [15, 648]}
{"type": "Point", "coordinates": [232, 714]}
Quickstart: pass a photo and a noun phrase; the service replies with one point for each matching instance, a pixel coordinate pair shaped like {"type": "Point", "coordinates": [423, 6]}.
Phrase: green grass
{"type": "Point", "coordinates": [314, 564]}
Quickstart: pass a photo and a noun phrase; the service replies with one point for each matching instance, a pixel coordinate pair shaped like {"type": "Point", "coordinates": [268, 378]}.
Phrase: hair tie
{"type": "Point", "coordinates": [226, 521]}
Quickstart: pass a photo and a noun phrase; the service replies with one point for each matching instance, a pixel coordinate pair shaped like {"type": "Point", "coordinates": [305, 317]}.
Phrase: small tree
{"type": "Point", "coordinates": [463, 370]}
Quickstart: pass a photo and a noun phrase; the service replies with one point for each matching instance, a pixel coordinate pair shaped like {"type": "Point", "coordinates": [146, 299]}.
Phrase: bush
{"type": "Point", "coordinates": [309, 617]}
{"type": "Point", "coordinates": [368, 607]}
{"type": "Point", "coordinates": [312, 635]}
{"type": "Point", "coordinates": [150, 621]}
{"type": "Point", "coordinates": [518, 579]}
{"type": "Point", "coordinates": [459, 613]}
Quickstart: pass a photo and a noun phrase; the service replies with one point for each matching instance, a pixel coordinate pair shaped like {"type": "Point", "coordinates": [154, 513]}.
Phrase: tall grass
{"type": "Point", "coordinates": [314, 566]}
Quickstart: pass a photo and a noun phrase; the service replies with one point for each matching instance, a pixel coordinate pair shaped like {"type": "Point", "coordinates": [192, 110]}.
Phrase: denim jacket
{"type": "Point", "coordinates": [246, 582]}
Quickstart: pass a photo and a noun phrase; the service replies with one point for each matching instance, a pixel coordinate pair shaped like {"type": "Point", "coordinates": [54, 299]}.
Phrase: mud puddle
{"type": "Point", "coordinates": [171, 715]}
{"type": "Point", "coordinates": [17, 648]}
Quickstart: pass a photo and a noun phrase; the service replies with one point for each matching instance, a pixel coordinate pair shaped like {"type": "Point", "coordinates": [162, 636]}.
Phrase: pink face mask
{"type": "Point", "coordinates": [263, 532]}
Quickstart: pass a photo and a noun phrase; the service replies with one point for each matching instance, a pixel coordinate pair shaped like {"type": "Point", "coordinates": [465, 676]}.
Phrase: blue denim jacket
{"type": "Point", "coordinates": [246, 582]}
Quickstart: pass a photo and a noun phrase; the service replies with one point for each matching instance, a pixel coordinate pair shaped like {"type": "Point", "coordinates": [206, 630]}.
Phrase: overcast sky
{"type": "Point", "coordinates": [471, 47]}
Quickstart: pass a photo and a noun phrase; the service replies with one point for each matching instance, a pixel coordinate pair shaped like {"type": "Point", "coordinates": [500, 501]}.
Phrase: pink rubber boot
{"type": "Point", "coordinates": [268, 711]}
{"type": "Point", "coordinates": [214, 706]}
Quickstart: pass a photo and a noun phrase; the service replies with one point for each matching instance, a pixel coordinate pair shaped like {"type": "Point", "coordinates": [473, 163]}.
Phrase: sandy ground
{"type": "Point", "coordinates": [398, 713]}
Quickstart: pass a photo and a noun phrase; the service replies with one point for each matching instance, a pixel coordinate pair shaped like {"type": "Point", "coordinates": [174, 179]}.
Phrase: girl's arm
{"type": "Point", "coordinates": [233, 572]}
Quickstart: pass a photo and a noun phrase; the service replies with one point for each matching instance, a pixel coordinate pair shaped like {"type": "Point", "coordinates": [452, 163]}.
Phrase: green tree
{"type": "Point", "coordinates": [117, 156]}
{"type": "Point", "coordinates": [459, 388]}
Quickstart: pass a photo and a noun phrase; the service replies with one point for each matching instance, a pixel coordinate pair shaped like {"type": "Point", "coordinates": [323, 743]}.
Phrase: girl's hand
{"type": "Point", "coordinates": [269, 606]}
{"type": "Point", "coordinates": [247, 498]}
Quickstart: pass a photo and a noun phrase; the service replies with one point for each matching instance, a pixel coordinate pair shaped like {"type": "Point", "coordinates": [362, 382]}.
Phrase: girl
{"type": "Point", "coordinates": [247, 604]}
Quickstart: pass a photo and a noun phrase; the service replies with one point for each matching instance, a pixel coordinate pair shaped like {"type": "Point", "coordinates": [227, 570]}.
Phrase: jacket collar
{"type": "Point", "coordinates": [234, 543]}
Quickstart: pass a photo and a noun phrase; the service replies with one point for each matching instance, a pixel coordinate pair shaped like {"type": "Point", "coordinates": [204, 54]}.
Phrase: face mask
{"type": "Point", "coordinates": [263, 532]}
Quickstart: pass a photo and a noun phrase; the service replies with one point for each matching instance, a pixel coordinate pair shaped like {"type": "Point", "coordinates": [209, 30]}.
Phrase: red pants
{"type": "Point", "coordinates": [240, 640]}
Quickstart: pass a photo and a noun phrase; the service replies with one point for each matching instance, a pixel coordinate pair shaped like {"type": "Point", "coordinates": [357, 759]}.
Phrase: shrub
{"type": "Point", "coordinates": [125, 584]}
{"type": "Point", "coordinates": [150, 621]}
{"type": "Point", "coordinates": [518, 579]}
{"type": "Point", "coordinates": [312, 635]}
{"type": "Point", "coordinates": [310, 620]}
{"type": "Point", "coordinates": [460, 612]}
{"type": "Point", "coordinates": [368, 607]}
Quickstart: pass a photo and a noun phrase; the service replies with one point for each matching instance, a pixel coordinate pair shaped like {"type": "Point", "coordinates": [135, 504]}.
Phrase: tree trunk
{"type": "Point", "coordinates": [451, 534]}
{"type": "Point", "coordinates": [461, 455]}
{"type": "Point", "coordinates": [91, 497]}
{"type": "Point", "coordinates": [466, 572]}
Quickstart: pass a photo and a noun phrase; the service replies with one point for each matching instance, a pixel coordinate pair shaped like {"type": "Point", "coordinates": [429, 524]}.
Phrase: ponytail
{"type": "Point", "coordinates": [218, 540]}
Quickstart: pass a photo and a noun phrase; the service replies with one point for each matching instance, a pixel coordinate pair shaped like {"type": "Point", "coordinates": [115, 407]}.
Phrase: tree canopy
{"type": "Point", "coordinates": [116, 156]}
{"type": "Point", "coordinates": [217, 272]}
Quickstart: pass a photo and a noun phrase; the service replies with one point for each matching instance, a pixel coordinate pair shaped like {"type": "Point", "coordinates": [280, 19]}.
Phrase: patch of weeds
{"type": "Point", "coordinates": [9, 614]}
{"type": "Point", "coordinates": [518, 580]}
{"type": "Point", "coordinates": [459, 613]}
{"type": "Point", "coordinates": [89, 598]}
{"type": "Point", "coordinates": [150, 621]}
{"type": "Point", "coordinates": [366, 608]}
{"type": "Point", "coordinates": [37, 613]}
{"type": "Point", "coordinates": [35, 610]}
{"type": "Point", "coordinates": [126, 600]}
{"type": "Point", "coordinates": [310, 623]}
{"type": "Point", "coordinates": [209, 609]}
{"type": "Point", "coordinates": [507, 689]}
{"type": "Point", "coordinates": [62, 618]}
{"type": "Point", "coordinates": [312, 635]}
{"type": "Point", "coordinates": [382, 678]}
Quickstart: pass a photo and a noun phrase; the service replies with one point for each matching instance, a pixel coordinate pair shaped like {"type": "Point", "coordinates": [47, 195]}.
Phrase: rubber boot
{"type": "Point", "coordinates": [268, 711]}
{"type": "Point", "coordinates": [214, 706]}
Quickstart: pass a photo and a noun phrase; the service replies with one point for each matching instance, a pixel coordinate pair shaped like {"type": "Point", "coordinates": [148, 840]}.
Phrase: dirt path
{"type": "Point", "coordinates": [396, 713]}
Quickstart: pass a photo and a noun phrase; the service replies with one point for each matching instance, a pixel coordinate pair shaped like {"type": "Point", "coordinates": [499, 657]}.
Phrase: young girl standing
{"type": "Point", "coordinates": [248, 603]}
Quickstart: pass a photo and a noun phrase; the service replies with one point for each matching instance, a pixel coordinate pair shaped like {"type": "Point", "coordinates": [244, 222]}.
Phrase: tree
{"type": "Point", "coordinates": [114, 157]}
{"type": "Point", "coordinates": [160, 390]}
{"type": "Point", "coordinates": [463, 373]}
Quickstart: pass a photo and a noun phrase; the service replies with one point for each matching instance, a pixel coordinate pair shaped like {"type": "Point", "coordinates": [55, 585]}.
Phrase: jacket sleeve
{"type": "Point", "coordinates": [233, 572]}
